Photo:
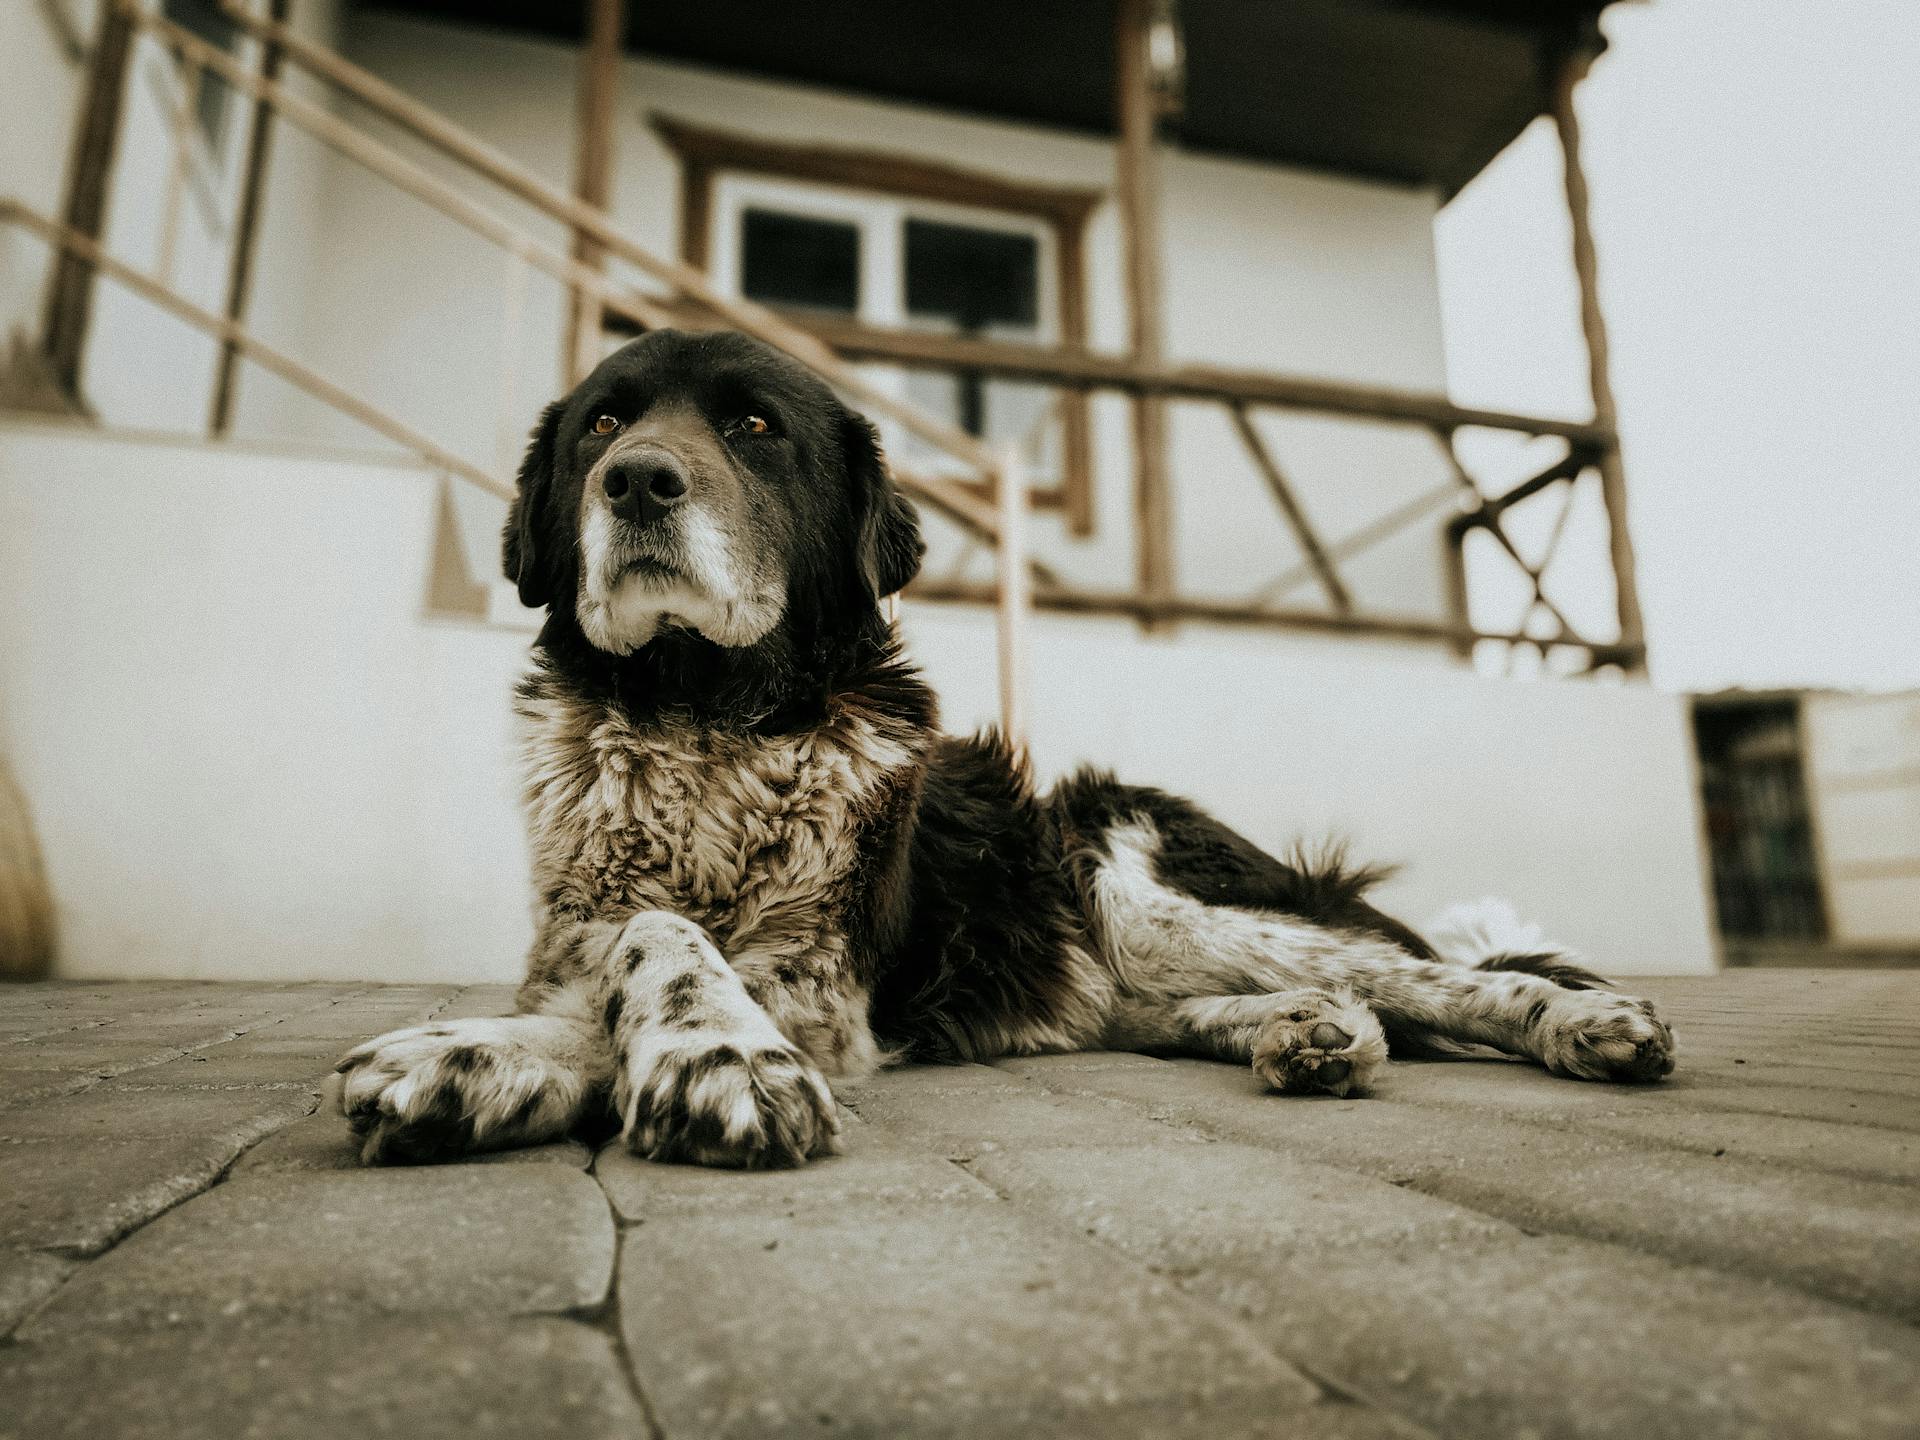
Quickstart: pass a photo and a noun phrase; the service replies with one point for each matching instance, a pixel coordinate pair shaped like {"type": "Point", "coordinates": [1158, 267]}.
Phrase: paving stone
{"type": "Point", "coordinates": [492, 1240]}
{"type": "Point", "coordinates": [1038, 1067]}
{"type": "Point", "coordinates": [1187, 1207]}
{"type": "Point", "coordinates": [1778, 1139]}
{"type": "Point", "coordinates": [1555, 1338]}
{"type": "Point", "coordinates": [324, 1142]}
{"type": "Point", "coordinates": [108, 1113]}
{"type": "Point", "coordinates": [641, 1189]}
{"type": "Point", "coordinates": [17, 1086]}
{"type": "Point", "coordinates": [111, 1049]}
{"type": "Point", "coordinates": [1854, 1240]}
{"type": "Point", "coordinates": [903, 1111]}
{"type": "Point", "coordinates": [419, 1379]}
{"type": "Point", "coordinates": [27, 1278]}
{"type": "Point", "coordinates": [916, 1079]}
{"type": "Point", "coordinates": [877, 1321]}
{"type": "Point", "coordinates": [79, 1197]}
{"type": "Point", "coordinates": [479, 1001]}
{"type": "Point", "coordinates": [250, 1060]}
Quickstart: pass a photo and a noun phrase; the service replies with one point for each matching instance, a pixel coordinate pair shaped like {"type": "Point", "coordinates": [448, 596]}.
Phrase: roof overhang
{"type": "Point", "coordinates": [1417, 92]}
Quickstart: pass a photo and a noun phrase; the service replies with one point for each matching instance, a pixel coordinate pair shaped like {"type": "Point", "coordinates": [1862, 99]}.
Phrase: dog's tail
{"type": "Point", "coordinates": [1489, 934]}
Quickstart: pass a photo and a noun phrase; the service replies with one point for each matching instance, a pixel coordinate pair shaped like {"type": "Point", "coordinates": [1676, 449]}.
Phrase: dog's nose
{"type": "Point", "coordinates": [646, 485]}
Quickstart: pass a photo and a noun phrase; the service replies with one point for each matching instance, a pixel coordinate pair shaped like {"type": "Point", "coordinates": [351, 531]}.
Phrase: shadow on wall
{"type": "Point", "coordinates": [26, 906]}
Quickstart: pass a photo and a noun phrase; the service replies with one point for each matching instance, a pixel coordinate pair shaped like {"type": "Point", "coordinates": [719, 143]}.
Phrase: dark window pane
{"type": "Point", "coordinates": [203, 18]}
{"type": "Point", "coordinates": [972, 278]}
{"type": "Point", "coordinates": [797, 260]}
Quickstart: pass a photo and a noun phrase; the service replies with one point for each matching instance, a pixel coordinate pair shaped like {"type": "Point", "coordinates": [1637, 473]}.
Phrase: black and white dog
{"type": "Point", "coordinates": [759, 863]}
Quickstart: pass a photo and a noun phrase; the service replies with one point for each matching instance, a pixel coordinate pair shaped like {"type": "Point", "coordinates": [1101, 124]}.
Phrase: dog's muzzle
{"type": "Point", "coordinates": [645, 484]}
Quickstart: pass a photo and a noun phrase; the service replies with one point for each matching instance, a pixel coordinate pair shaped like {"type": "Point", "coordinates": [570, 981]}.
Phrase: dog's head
{"type": "Point", "coordinates": [706, 483]}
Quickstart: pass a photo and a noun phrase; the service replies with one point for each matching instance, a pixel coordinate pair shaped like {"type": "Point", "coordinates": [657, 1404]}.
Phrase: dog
{"type": "Point", "coordinates": [759, 864]}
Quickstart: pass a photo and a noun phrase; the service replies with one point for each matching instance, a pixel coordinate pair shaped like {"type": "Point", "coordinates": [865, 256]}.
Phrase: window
{"type": "Point", "coordinates": [204, 19]}
{"type": "Point", "coordinates": [799, 261]}
{"type": "Point", "coordinates": [887, 242]}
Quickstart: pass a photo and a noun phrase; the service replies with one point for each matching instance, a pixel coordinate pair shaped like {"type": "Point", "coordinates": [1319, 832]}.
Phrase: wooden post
{"type": "Point", "coordinates": [593, 169]}
{"type": "Point", "coordinates": [246, 228]}
{"type": "Point", "coordinates": [1137, 191]}
{"type": "Point", "coordinates": [1613, 483]}
{"type": "Point", "coordinates": [1013, 598]}
{"type": "Point", "coordinates": [89, 180]}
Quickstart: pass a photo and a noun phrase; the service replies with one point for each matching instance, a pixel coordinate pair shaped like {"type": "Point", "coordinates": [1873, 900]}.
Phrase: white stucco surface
{"type": "Point", "coordinates": [252, 752]}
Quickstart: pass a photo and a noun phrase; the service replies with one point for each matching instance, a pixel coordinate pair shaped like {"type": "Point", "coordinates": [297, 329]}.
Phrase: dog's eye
{"type": "Point", "coordinates": [753, 425]}
{"type": "Point", "coordinates": [605, 425]}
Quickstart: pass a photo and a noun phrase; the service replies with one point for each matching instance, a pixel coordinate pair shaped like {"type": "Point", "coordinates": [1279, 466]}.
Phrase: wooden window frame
{"type": "Point", "coordinates": [705, 154]}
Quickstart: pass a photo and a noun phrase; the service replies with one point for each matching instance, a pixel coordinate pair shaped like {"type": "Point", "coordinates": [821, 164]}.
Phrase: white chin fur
{"type": "Point", "coordinates": [621, 610]}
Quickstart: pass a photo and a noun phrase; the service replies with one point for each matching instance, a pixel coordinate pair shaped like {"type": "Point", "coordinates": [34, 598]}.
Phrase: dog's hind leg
{"type": "Point", "coordinates": [1201, 930]}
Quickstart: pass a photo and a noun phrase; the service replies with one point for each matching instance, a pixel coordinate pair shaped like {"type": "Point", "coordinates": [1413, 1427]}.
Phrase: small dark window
{"type": "Point", "coordinates": [971, 278]}
{"type": "Point", "coordinates": [798, 260]}
{"type": "Point", "coordinates": [204, 19]}
{"type": "Point", "coordinates": [1766, 884]}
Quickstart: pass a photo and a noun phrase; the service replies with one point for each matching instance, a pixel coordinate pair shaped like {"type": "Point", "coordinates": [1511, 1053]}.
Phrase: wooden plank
{"type": "Point", "coordinates": [89, 184]}
{"type": "Point", "coordinates": [1137, 193]}
{"type": "Point", "coordinates": [246, 231]}
{"type": "Point", "coordinates": [1289, 504]}
{"type": "Point", "coordinates": [598, 92]}
{"type": "Point", "coordinates": [1613, 480]}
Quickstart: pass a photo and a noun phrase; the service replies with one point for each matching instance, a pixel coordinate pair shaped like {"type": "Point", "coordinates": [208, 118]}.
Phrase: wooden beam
{"type": "Point", "coordinates": [1289, 505]}
{"type": "Point", "coordinates": [1076, 368]}
{"type": "Point", "coordinates": [598, 92]}
{"type": "Point", "coordinates": [246, 230]}
{"type": "Point", "coordinates": [1222, 612]}
{"type": "Point", "coordinates": [1137, 191]}
{"type": "Point", "coordinates": [880, 170]}
{"type": "Point", "coordinates": [1013, 599]}
{"type": "Point", "coordinates": [69, 310]}
{"type": "Point", "coordinates": [1076, 419]}
{"type": "Point", "coordinates": [1613, 482]}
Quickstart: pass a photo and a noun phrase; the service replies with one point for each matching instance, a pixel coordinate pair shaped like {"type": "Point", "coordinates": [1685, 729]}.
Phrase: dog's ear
{"type": "Point", "coordinates": [526, 517]}
{"type": "Point", "coordinates": [890, 543]}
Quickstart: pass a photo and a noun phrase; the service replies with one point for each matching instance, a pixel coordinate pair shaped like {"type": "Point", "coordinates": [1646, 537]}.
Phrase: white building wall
{"type": "Point", "coordinates": [1863, 779]}
{"type": "Point", "coordinates": [252, 753]}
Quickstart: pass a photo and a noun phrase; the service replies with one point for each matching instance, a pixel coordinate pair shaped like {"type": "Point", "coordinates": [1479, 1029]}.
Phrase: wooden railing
{"type": "Point", "coordinates": [986, 498]}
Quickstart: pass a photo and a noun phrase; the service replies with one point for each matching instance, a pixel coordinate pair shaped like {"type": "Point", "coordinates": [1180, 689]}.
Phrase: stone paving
{"type": "Point", "coordinates": [1088, 1245]}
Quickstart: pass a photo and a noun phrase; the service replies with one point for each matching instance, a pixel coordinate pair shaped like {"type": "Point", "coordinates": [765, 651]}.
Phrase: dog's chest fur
{"type": "Point", "coordinates": [755, 838]}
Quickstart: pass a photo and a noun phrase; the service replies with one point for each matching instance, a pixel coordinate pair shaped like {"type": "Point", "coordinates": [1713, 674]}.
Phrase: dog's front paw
{"type": "Point", "coordinates": [1598, 1035]}
{"type": "Point", "coordinates": [726, 1103]}
{"type": "Point", "coordinates": [1321, 1043]}
{"type": "Point", "coordinates": [434, 1092]}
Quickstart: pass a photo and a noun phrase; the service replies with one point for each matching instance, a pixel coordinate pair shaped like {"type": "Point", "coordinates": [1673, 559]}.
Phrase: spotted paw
{"type": "Point", "coordinates": [1598, 1035]}
{"type": "Point", "coordinates": [1322, 1044]}
{"type": "Point", "coordinates": [434, 1092]}
{"type": "Point", "coordinates": [727, 1103]}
